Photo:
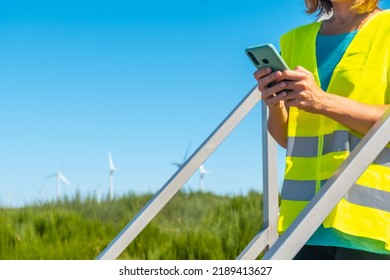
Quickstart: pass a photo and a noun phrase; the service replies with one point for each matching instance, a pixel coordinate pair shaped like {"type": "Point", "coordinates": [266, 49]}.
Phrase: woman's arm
{"type": "Point", "coordinates": [306, 95]}
{"type": "Point", "coordinates": [353, 114]}
{"type": "Point", "coordinates": [274, 98]}
{"type": "Point", "coordinates": [277, 124]}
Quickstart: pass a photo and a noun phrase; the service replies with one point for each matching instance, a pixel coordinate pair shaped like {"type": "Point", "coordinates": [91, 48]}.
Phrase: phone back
{"type": "Point", "coordinates": [266, 56]}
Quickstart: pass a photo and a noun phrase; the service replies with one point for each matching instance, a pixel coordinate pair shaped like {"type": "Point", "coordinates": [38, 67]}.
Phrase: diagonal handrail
{"type": "Point", "coordinates": [173, 185]}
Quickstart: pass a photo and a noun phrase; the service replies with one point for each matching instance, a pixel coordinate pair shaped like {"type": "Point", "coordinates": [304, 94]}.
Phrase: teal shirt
{"type": "Point", "coordinates": [330, 50]}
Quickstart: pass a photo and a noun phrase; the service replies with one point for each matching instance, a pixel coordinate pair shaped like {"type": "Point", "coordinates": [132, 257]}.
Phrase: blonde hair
{"type": "Point", "coordinates": [361, 6]}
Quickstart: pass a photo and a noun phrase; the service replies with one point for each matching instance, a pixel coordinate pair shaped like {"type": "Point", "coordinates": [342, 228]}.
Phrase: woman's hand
{"type": "Point", "coordinates": [305, 94]}
{"type": "Point", "coordinates": [271, 87]}
{"type": "Point", "coordinates": [303, 91]}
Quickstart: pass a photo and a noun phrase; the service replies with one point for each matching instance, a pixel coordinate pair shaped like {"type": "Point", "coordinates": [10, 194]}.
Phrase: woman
{"type": "Point", "coordinates": [339, 88]}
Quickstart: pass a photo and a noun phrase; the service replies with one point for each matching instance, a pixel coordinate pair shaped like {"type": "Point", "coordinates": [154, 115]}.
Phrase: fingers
{"type": "Point", "coordinates": [302, 70]}
{"type": "Point", "coordinates": [274, 99]}
{"type": "Point", "coordinates": [293, 75]}
{"type": "Point", "coordinates": [270, 85]}
{"type": "Point", "coordinates": [291, 87]}
{"type": "Point", "coordinates": [274, 94]}
{"type": "Point", "coordinates": [262, 73]}
{"type": "Point", "coordinates": [265, 77]}
{"type": "Point", "coordinates": [299, 73]}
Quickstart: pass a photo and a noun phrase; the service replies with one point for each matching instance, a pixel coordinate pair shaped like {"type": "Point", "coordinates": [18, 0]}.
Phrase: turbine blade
{"type": "Point", "coordinates": [62, 177]}
{"type": "Point", "coordinates": [202, 170]}
{"type": "Point", "coordinates": [61, 163]}
{"type": "Point", "coordinates": [111, 163]}
{"type": "Point", "coordinates": [50, 176]}
{"type": "Point", "coordinates": [186, 154]}
{"type": "Point", "coordinates": [177, 164]}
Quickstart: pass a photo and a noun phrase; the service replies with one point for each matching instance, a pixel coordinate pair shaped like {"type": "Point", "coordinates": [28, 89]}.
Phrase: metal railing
{"type": "Point", "coordinates": [267, 240]}
{"type": "Point", "coordinates": [174, 184]}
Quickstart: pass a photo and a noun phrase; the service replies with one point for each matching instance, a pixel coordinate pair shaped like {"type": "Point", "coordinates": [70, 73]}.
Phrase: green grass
{"type": "Point", "coordinates": [191, 226]}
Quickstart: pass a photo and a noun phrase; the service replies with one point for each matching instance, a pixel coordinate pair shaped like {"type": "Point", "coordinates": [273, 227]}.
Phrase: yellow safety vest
{"type": "Point", "coordinates": [317, 145]}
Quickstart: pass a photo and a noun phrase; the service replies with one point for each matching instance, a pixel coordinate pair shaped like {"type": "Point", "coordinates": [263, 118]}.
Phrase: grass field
{"type": "Point", "coordinates": [192, 226]}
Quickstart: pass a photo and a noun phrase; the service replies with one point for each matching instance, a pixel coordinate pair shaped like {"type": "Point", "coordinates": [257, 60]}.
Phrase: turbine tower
{"type": "Point", "coordinates": [111, 172]}
{"type": "Point", "coordinates": [60, 177]}
{"type": "Point", "coordinates": [98, 194]}
{"type": "Point", "coordinates": [42, 193]}
{"type": "Point", "coordinates": [202, 172]}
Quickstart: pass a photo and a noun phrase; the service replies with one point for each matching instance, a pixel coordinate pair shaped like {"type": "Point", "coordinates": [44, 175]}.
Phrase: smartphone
{"type": "Point", "coordinates": [266, 56]}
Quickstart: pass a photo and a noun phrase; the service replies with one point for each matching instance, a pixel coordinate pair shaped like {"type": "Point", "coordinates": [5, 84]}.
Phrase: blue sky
{"type": "Point", "coordinates": [142, 79]}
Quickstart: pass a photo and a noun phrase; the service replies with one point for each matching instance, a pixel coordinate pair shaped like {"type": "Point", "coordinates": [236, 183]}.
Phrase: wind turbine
{"type": "Point", "coordinates": [60, 177]}
{"type": "Point", "coordinates": [180, 164]}
{"type": "Point", "coordinates": [98, 194]}
{"type": "Point", "coordinates": [42, 194]}
{"type": "Point", "coordinates": [111, 171]}
{"type": "Point", "coordinates": [202, 172]}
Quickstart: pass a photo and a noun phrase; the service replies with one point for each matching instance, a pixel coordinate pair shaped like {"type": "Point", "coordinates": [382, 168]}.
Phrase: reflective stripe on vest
{"type": "Point", "coordinates": [359, 195]}
{"type": "Point", "coordinates": [338, 141]}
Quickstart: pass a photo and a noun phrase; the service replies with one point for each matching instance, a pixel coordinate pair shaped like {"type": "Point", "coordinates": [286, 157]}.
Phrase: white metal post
{"type": "Point", "coordinates": [268, 235]}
